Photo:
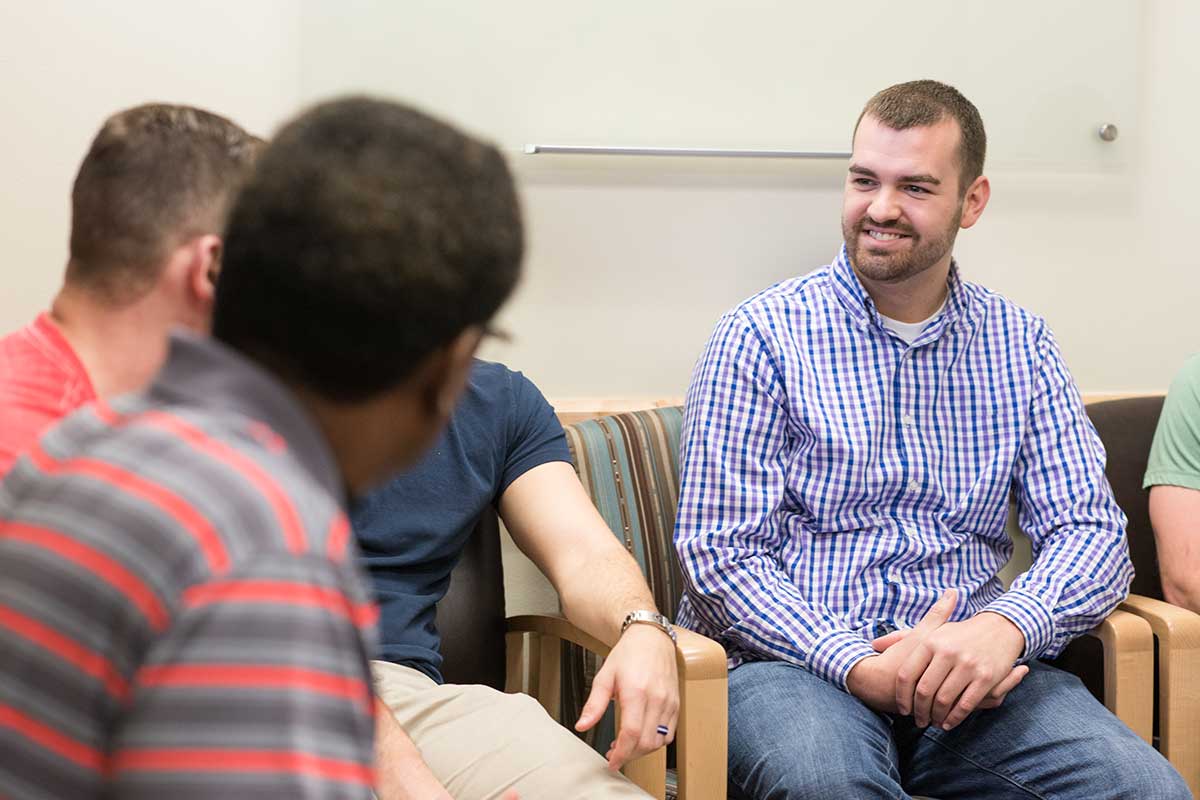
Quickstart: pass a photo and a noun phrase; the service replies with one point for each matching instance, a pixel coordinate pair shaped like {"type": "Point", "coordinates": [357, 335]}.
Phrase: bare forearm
{"type": "Point", "coordinates": [401, 772]}
{"type": "Point", "coordinates": [554, 522]}
{"type": "Point", "coordinates": [598, 595]}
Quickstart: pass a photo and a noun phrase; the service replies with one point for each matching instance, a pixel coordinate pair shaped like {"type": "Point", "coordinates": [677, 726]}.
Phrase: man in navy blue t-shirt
{"type": "Point", "coordinates": [505, 449]}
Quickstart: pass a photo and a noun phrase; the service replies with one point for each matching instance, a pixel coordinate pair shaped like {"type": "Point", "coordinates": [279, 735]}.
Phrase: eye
{"type": "Point", "coordinates": [865, 183]}
{"type": "Point", "coordinates": [914, 189]}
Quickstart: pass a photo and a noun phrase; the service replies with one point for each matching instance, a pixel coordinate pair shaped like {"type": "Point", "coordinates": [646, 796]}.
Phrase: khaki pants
{"type": "Point", "coordinates": [480, 742]}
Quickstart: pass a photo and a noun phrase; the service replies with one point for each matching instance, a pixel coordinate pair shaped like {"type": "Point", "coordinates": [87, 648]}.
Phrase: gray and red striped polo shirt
{"type": "Point", "coordinates": [181, 614]}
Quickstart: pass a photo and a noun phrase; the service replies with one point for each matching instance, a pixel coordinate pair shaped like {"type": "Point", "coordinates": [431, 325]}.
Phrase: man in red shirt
{"type": "Point", "coordinates": [147, 209]}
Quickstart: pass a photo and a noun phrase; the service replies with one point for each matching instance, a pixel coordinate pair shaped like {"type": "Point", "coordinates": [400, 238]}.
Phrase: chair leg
{"type": "Point", "coordinates": [515, 679]}
{"type": "Point", "coordinates": [549, 685]}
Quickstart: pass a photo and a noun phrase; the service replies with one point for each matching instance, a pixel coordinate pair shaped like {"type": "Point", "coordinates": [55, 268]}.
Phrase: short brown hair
{"type": "Point", "coordinates": [919, 103]}
{"type": "Point", "coordinates": [155, 176]}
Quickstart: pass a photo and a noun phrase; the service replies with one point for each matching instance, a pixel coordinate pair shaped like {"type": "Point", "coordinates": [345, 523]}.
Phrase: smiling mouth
{"type": "Point", "coordinates": [881, 236]}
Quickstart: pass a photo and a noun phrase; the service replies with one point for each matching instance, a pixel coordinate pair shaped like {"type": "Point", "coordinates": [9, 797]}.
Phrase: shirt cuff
{"type": "Point", "coordinates": [1030, 615]}
{"type": "Point", "coordinates": [835, 654]}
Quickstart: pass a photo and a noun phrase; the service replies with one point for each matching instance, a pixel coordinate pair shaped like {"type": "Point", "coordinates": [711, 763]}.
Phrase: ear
{"type": "Point", "coordinates": [201, 259]}
{"type": "Point", "coordinates": [204, 267]}
{"type": "Point", "coordinates": [975, 200]}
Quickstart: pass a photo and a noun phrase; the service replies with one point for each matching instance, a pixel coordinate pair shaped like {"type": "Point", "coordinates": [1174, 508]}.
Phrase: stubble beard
{"type": "Point", "coordinates": [892, 267]}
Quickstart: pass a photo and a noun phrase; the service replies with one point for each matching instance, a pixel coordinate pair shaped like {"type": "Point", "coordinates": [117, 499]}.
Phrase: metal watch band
{"type": "Point", "coordinates": [650, 618]}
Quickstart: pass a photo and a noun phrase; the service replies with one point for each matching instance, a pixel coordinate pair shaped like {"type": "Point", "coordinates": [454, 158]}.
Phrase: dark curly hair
{"type": "Point", "coordinates": [369, 235]}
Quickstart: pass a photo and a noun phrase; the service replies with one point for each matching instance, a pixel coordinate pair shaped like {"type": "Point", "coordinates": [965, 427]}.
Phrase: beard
{"type": "Point", "coordinates": [892, 266]}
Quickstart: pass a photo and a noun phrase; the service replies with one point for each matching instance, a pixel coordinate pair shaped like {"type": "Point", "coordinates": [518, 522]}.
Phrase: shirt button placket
{"type": "Point", "coordinates": [908, 423]}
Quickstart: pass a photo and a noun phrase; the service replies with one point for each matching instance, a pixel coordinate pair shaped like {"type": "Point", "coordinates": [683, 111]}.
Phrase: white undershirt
{"type": "Point", "coordinates": [909, 331]}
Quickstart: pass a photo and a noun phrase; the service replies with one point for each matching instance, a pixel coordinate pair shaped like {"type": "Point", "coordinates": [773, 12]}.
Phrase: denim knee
{"type": "Point", "coordinates": [779, 777]}
{"type": "Point", "coordinates": [1119, 770]}
{"type": "Point", "coordinates": [1152, 780]}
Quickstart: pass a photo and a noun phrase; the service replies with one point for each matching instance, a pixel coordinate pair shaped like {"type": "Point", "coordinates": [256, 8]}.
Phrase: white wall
{"type": "Point", "coordinates": [1102, 254]}
{"type": "Point", "coordinates": [631, 263]}
{"type": "Point", "coordinates": [632, 260]}
{"type": "Point", "coordinates": [66, 66]}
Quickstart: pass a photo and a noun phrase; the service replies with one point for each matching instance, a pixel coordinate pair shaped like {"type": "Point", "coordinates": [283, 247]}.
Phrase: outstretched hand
{"type": "Point", "coordinates": [640, 674]}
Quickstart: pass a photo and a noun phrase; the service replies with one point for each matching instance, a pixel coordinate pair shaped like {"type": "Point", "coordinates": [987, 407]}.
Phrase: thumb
{"type": "Point", "coordinates": [597, 702]}
{"type": "Point", "coordinates": [939, 613]}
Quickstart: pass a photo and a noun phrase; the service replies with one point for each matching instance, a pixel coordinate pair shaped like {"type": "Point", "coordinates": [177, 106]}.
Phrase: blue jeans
{"type": "Point", "coordinates": [793, 735]}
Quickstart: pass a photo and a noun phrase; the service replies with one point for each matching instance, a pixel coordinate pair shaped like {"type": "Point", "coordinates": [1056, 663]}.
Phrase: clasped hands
{"type": "Point", "coordinates": [940, 671]}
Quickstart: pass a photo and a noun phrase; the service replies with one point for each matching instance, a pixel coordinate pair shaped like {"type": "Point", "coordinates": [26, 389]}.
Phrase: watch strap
{"type": "Point", "coordinates": [650, 618]}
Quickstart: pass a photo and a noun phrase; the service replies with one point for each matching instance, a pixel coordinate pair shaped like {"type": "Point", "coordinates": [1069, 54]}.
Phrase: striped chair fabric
{"type": "Point", "coordinates": [629, 465]}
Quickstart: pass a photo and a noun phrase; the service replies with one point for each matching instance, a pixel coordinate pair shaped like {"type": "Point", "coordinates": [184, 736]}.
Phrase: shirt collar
{"type": "Point", "coordinates": [849, 291]}
{"type": "Point", "coordinates": [203, 373]}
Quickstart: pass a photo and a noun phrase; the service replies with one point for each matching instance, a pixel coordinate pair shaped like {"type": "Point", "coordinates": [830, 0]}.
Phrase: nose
{"type": "Point", "coordinates": [884, 206]}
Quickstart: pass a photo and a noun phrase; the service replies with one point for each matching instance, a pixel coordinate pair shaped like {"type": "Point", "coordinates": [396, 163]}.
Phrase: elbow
{"type": "Point", "coordinates": [1184, 593]}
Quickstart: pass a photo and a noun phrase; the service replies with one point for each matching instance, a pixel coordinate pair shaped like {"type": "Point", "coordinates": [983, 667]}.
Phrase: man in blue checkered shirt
{"type": "Point", "coordinates": [851, 441]}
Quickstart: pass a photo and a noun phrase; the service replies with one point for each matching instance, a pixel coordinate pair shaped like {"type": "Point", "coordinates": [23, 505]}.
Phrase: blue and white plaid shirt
{"type": "Point", "coordinates": [834, 478]}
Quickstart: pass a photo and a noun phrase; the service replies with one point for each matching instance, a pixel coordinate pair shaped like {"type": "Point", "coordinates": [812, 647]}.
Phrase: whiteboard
{"type": "Point", "coordinates": [1045, 74]}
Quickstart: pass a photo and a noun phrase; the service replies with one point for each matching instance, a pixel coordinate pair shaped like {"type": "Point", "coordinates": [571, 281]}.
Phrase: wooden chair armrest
{"type": "Point", "coordinates": [545, 670]}
{"type": "Point", "coordinates": [1177, 625]}
{"type": "Point", "coordinates": [559, 627]}
{"type": "Point", "coordinates": [701, 740]}
{"type": "Point", "coordinates": [1128, 647]}
{"type": "Point", "coordinates": [1178, 634]}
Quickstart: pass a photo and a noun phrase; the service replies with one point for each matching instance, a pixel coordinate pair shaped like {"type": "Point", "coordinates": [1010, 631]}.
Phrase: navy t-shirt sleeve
{"type": "Point", "coordinates": [535, 436]}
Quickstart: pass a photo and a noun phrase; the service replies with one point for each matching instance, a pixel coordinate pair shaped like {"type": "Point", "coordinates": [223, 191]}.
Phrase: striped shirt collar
{"type": "Point", "coordinates": [960, 306]}
{"type": "Point", "coordinates": [203, 373]}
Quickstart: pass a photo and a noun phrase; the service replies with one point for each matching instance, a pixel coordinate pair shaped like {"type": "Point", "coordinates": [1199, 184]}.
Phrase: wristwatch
{"type": "Point", "coordinates": [650, 618]}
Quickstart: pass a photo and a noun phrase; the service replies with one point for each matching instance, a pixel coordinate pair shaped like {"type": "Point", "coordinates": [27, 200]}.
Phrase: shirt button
{"type": "Point", "coordinates": [913, 486]}
{"type": "Point", "coordinates": [907, 420]}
